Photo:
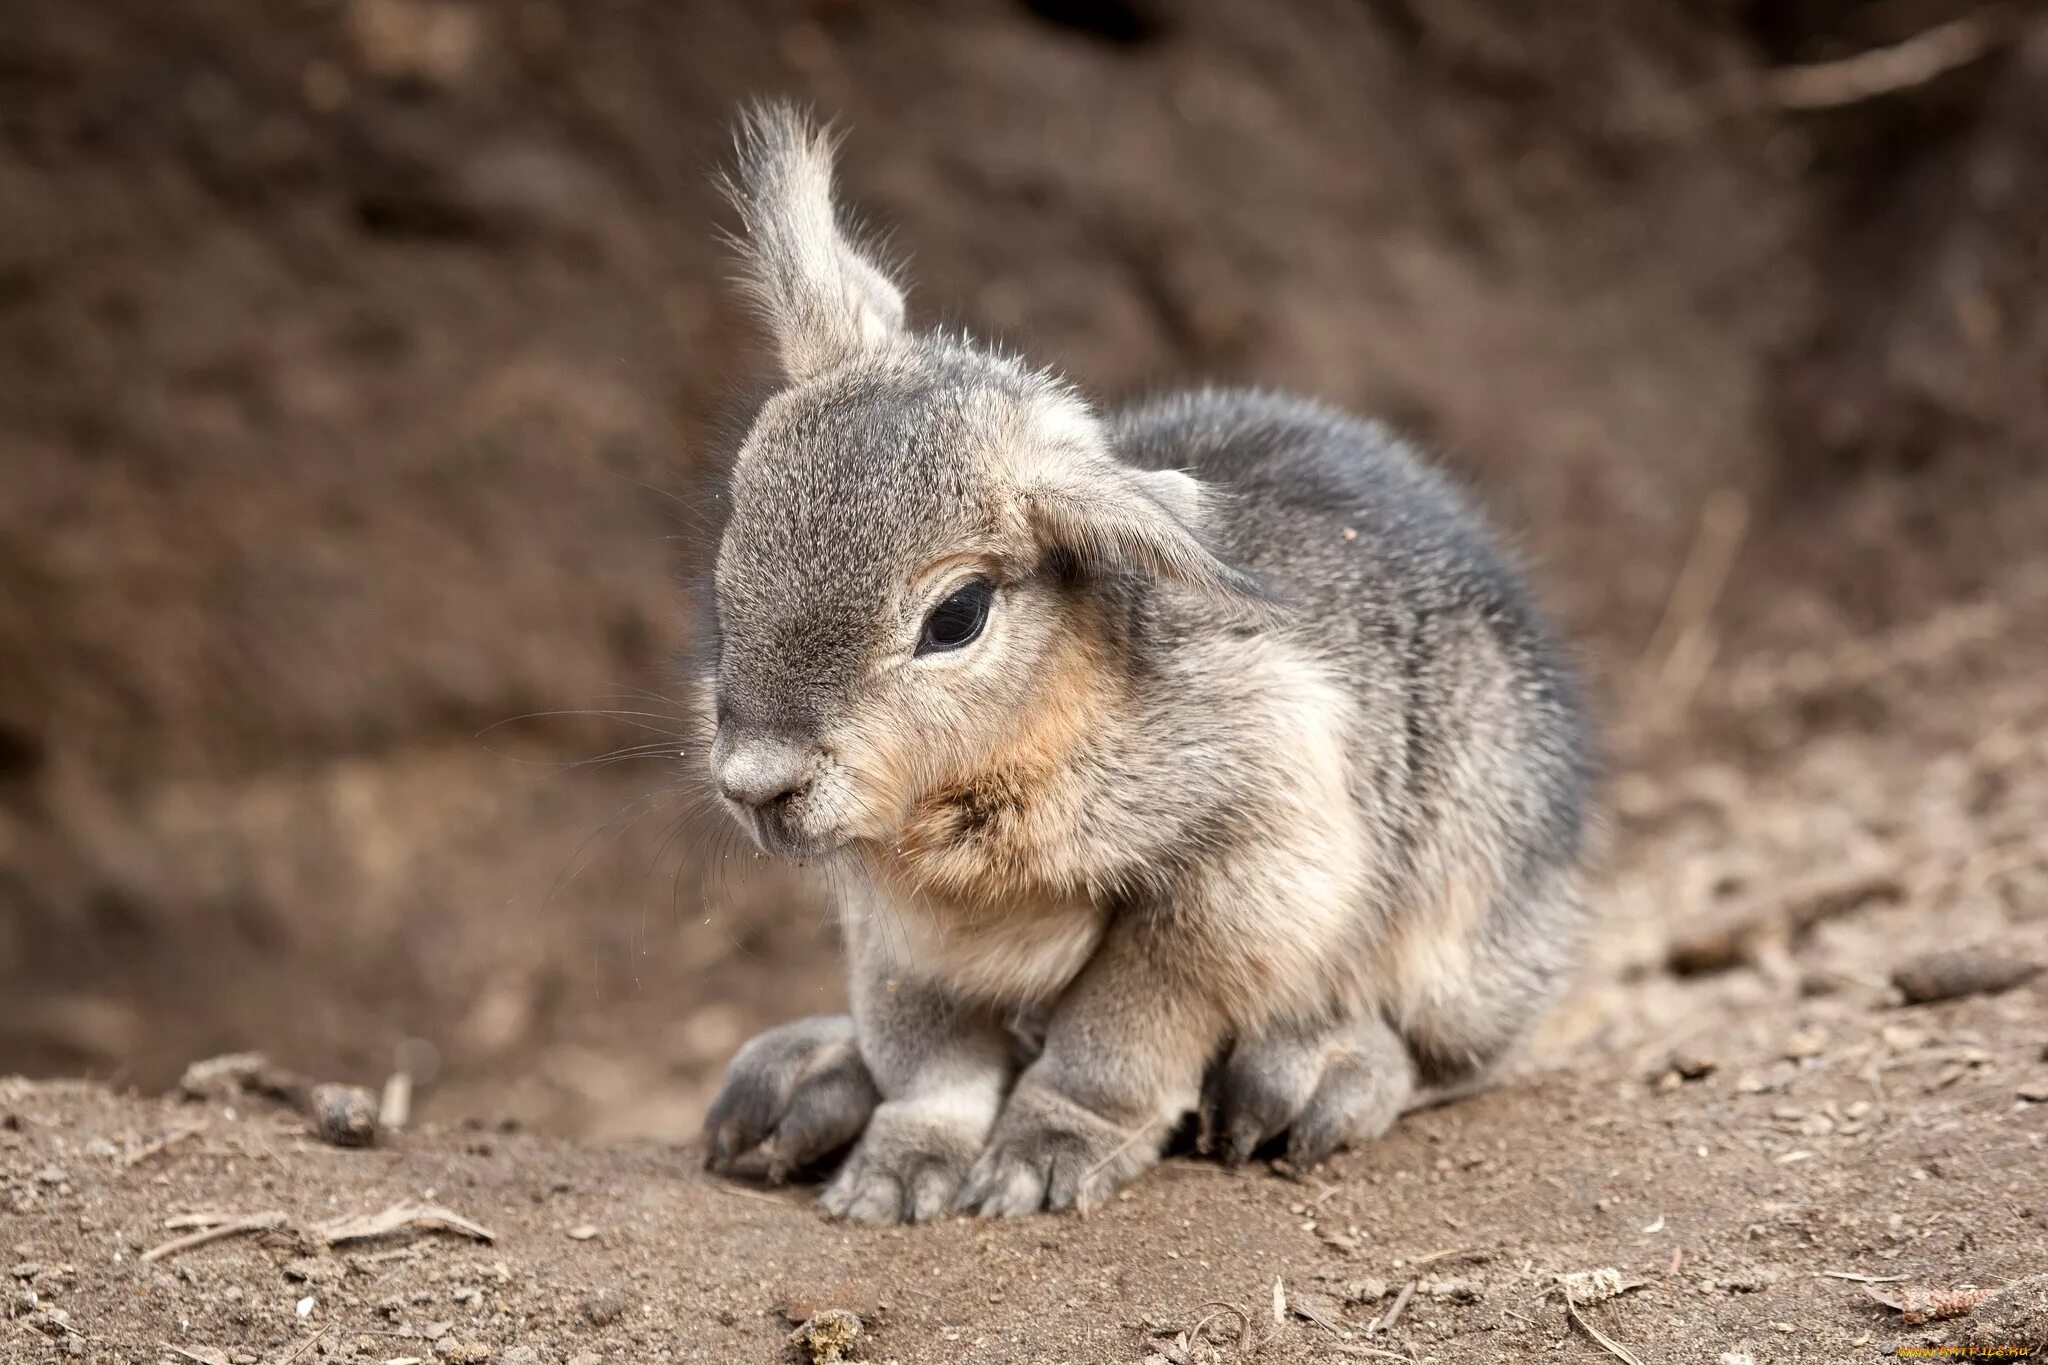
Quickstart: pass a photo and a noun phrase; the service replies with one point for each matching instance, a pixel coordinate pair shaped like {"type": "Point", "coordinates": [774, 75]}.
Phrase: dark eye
{"type": "Point", "coordinates": [958, 619]}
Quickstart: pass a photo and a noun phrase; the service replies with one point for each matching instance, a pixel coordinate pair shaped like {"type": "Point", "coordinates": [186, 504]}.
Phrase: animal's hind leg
{"type": "Point", "coordinates": [1476, 1019]}
{"type": "Point", "coordinates": [1342, 1081]}
{"type": "Point", "coordinates": [1326, 1086]}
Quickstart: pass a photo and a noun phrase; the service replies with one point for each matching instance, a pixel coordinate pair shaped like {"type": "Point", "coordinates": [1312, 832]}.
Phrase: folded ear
{"type": "Point", "coordinates": [823, 301]}
{"type": "Point", "coordinates": [1108, 514]}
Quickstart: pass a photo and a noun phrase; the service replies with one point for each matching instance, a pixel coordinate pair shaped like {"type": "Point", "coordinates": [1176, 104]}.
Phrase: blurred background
{"type": "Point", "coordinates": [360, 361]}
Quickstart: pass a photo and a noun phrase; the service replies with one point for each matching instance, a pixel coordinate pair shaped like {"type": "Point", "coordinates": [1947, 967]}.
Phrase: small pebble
{"type": "Point", "coordinates": [825, 1338]}
{"type": "Point", "coordinates": [1806, 1042]}
{"type": "Point", "coordinates": [1902, 1037]}
{"type": "Point", "coordinates": [1952, 974]}
{"type": "Point", "coordinates": [344, 1115]}
{"type": "Point", "coordinates": [313, 1270]}
{"type": "Point", "coordinates": [221, 1078]}
{"type": "Point", "coordinates": [606, 1306]}
{"type": "Point", "coordinates": [582, 1232]}
{"type": "Point", "coordinates": [1369, 1290]}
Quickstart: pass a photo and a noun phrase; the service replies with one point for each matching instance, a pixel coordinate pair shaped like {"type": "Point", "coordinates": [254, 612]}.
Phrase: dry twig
{"type": "Point", "coordinates": [1312, 1311]}
{"type": "Point", "coordinates": [1886, 70]}
{"type": "Point", "coordinates": [1121, 1148]}
{"type": "Point", "coordinates": [1859, 1279]}
{"type": "Point", "coordinates": [1244, 1321]}
{"type": "Point", "coordinates": [405, 1214]}
{"type": "Point", "coordinates": [162, 1144]}
{"type": "Point", "coordinates": [234, 1227]}
{"type": "Point", "coordinates": [1613, 1347]}
{"type": "Point", "coordinates": [1682, 647]}
{"type": "Point", "coordinates": [354, 1228]}
{"type": "Point", "coordinates": [1393, 1315]}
{"type": "Point", "coordinates": [1727, 937]}
{"type": "Point", "coordinates": [302, 1347]}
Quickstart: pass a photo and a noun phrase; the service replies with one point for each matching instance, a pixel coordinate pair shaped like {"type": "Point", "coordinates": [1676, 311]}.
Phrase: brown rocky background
{"type": "Point", "coordinates": [360, 361]}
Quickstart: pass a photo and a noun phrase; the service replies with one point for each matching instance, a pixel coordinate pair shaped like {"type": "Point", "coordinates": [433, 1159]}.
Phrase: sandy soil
{"type": "Point", "coordinates": [1900, 1150]}
{"type": "Point", "coordinates": [1738, 1114]}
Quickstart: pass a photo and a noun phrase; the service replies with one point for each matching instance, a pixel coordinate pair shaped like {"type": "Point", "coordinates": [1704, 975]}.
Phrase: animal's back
{"type": "Point", "coordinates": [1468, 723]}
{"type": "Point", "coordinates": [1335, 513]}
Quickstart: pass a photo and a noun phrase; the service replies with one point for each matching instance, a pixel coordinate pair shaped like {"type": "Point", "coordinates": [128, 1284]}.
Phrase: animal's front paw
{"type": "Point", "coordinates": [1049, 1152]}
{"type": "Point", "coordinates": [907, 1166]}
{"type": "Point", "coordinates": [794, 1094]}
{"type": "Point", "coordinates": [1324, 1089]}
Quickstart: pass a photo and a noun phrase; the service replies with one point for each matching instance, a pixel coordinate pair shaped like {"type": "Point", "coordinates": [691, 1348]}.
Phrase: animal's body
{"type": "Point", "coordinates": [1207, 756]}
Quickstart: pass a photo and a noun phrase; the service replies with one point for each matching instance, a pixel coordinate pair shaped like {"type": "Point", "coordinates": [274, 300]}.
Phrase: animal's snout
{"type": "Point", "coordinates": [763, 773]}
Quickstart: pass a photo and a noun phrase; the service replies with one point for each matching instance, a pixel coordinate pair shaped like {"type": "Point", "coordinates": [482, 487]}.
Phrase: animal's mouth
{"type": "Point", "coordinates": [781, 831]}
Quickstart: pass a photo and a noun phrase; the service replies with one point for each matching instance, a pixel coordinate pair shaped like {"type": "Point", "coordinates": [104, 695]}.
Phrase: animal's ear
{"type": "Point", "coordinates": [824, 302]}
{"type": "Point", "coordinates": [1109, 515]}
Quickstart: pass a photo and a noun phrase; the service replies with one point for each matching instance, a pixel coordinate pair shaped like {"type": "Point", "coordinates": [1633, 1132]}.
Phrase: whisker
{"type": "Point", "coordinates": [581, 856]}
{"type": "Point", "coordinates": [690, 514]}
{"type": "Point", "coordinates": [629, 754]}
{"type": "Point", "coordinates": [604, 713]}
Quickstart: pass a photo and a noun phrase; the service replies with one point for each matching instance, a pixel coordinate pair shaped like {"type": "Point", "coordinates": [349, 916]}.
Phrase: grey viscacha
{"type": "Point", "coordinates": [1206, 757]}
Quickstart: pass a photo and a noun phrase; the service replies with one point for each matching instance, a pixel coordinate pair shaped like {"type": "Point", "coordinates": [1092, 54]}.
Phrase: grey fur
{"type": "Point", "coordinates": [795, 1094]}
{"type": "Point", "coordinates": [1323, 1087]}
{"type": "Point", "coordinates": [1264, 767]}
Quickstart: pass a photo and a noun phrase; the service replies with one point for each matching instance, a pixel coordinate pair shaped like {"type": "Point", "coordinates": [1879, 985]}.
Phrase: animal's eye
{"type": "Point", "coordinates": [958, 619]}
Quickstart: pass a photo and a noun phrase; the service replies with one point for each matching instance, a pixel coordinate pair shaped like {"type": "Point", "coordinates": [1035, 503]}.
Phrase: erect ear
{"type": "Point", "coordinates": [822, 300]}
{"type": "Point", "coordinates": [1110, 515]}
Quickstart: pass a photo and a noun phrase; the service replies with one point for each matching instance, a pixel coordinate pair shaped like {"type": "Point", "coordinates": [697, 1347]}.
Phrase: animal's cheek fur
{"type": "Point", "coordinates": [900, 743]}
{"type": "Point", "coordinates": [924, 729]}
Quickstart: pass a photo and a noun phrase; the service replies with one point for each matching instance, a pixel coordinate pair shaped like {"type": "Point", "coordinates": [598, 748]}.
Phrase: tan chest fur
{"type": "Point", "coordinates": [1020, 954]}
{"type": "Point", "coordinates": [981, 876]}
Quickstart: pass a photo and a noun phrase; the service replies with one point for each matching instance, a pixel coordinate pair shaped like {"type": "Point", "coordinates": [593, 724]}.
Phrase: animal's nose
{"type": "Point", "coordinates": [762, 772]}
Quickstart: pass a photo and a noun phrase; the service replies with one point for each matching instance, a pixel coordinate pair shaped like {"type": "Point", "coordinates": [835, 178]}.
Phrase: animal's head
{"type": "Point", "coordinates": [902, 588]}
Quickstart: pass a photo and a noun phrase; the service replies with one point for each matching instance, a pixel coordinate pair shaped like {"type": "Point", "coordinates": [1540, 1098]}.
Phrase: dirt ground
{"type": "Point", "coordinates": [1738, 1113]}
{"type": "Point", "coordinates": [1734, 1203]}
{"type": "Point", "coordinates": [1834, 1136]}
{"type": "Point", "coordinates": [360, 361]}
